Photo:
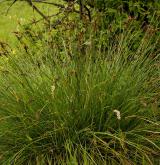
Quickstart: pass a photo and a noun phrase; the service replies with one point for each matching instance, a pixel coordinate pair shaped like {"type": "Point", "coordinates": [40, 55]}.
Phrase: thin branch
{"type": "Point", "coordinates": [37, 10]}
{"type": "Point", "coordinates": [11, 6]}
{"type": "Point", "coordinates": [53, 15]}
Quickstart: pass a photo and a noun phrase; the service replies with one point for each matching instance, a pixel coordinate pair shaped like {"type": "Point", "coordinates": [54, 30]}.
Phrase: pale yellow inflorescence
{"type": "Point", "coordinates": [118, 114]}
{"type": "Point", "coordinates": [53, 89]}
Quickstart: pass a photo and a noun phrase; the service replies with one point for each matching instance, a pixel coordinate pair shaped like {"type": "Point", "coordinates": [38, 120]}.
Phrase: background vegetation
{"type": "Point", "coordinates": [81, 84]}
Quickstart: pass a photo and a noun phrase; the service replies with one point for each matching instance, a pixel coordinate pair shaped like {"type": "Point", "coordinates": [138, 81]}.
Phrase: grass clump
{"type": "Point", "coordinates": [85, 102]}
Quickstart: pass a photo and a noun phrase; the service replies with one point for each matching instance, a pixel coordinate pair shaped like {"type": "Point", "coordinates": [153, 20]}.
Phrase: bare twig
{"type": "Point", "coordinates": [37, 10]}
{"type": "Point", "coordinates": [37, 21]}
{"type": "Point", "coordinates": [11, 6]}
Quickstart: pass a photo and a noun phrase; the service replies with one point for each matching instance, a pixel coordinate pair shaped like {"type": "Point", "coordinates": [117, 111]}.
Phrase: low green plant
{"type": "Point", "coordinates": [81, 100]}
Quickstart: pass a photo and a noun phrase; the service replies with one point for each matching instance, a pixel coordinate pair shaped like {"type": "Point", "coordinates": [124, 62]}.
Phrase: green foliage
{"type": "Point", "coordinates": [73, 101]}
{"type": "Point", "coordinates": [82, 93]}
